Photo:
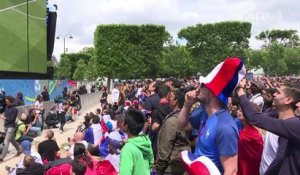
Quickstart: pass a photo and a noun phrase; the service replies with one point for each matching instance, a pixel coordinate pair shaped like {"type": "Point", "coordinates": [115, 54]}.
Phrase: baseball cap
{"type": "Point", "coordinates": [26, 147]}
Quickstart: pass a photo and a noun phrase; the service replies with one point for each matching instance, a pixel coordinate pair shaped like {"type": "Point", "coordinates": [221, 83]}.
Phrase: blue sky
{"type": "Point", "coordinates": [80, 17]}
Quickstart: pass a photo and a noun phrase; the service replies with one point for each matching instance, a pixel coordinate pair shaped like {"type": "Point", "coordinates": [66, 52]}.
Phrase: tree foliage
{"type": "Point", "coordinates": [212, 43]}
{"type": "Point", "coordinates": [292, 60]}
{"type": "Point", "coordinates": [68, 63]}
{"type": "Point", "coordinates": [280, 54]}
{"type": "Point", "coordinates": [91, 72]}
{"type": "Point", "coordinates": [64, 68]}
{"type": "Point", "coordinates": [177, 62]}
{"type": "Point", "coordinates": [75, 57]}
{"type": "Point", "coordinates": [80, 70]}
{"type": "Point", "coordinates": [127, 51]}
{"type": "Point", "coordinates": [146, 51]}
{"type": "Point", "coordinates": [287, 38]}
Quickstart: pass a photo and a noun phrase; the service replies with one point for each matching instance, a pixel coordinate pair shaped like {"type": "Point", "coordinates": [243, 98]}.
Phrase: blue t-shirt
{"type": "Point", "coordinates": [217, 135]}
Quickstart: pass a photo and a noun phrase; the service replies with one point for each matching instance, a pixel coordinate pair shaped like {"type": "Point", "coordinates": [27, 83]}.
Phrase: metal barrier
{"type": "Point", "coordinates": [87, 101]}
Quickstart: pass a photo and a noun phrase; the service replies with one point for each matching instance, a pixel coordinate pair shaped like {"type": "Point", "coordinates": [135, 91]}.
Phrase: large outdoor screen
{"type": "Point", "coordinates": [23, 39]}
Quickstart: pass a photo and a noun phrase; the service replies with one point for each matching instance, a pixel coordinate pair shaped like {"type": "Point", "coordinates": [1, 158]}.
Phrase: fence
{"type": "Point", "coordinates": [87, 101]}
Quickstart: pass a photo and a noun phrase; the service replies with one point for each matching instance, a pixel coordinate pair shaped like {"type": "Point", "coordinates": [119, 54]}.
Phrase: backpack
{"type": "Point", "coordinates": [17, 127]}
{"type": "Point", "coordinates": [59, 99]}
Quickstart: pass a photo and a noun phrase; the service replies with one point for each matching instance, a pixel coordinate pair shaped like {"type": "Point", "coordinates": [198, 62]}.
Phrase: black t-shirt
{"type": "Point", "coordinates": [159, 114]}
{"type": "Point", "coordinates": [47, 149]}
{"type": "Point", "coordinates": [104, 97]}
{"type": "Point", "coordinates": [104, 94]}
{"type": "Point", "coordinates": [45, 95]}
{"type": "Point", "coordinates": [51, 117]}
{"type": "Point", "coordinates": [152, 102]}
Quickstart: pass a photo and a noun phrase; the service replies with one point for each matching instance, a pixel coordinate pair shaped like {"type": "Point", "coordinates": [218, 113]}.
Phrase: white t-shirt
{"type": "Point", "coordinates": [114, 159]}
{"type": "Point", "coordinates": [139, 92]}
{"type": "Point", "coordinates": [60, 109]}
{"type": "Point", "coordinates": [71, 150]}
{"type": "Point", "coordinates": [269, 151]}
{"type": "Point", "coordinates": [39, 105]}
{"type": "Point", "coordinates": [37, 158]}
{"type": "Point", "coordinates": [258, 100]}
{"type": "Point", "coordinates": [106, 118]}
{"type": "Point", "coordinates": [97, 132]}
{"type": "Point", "coordinates": [115, 93]}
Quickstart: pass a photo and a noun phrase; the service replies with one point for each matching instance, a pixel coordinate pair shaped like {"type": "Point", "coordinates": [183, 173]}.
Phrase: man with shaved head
{"type": "Point", "coordinates": [48, 149]}
{"type": "Point", "coordinates": [78, 138]}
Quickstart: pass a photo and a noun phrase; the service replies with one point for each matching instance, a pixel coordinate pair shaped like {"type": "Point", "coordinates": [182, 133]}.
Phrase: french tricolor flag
{"type": "Point", "coordinates": [198, 165]}
{"type": "Point", "coordinates": [224, 78]}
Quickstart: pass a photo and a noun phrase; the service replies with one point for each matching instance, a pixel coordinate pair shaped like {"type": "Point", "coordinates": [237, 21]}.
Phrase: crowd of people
{"type": "Point", "coordinates": [30, 125]}
{"type": "Point", "coordinates": [223, 123]}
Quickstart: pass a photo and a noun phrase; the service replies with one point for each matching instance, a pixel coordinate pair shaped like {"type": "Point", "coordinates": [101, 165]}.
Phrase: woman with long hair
{"type": "Point", "coordinates": [250, 146]}
{"type": "Point", "coordinates": [80, 153]}
{"type": "Point", "coordinates": [38, 114]}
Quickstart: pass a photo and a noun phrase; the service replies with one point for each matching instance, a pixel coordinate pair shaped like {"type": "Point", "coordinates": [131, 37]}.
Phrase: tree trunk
{"type": "Point", "coordinates": [108, 84]}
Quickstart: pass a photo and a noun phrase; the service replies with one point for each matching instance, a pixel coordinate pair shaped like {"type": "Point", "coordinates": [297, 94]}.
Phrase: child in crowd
{"type": "Point", "coordinates": [137, 155]}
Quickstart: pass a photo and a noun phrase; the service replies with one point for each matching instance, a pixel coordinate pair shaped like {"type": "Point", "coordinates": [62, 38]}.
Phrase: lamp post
{"type": "Point", "coordinates": [64, 37]}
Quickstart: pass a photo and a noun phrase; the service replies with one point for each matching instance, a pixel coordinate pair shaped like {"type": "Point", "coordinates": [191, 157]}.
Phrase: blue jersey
{"type": "Point", "coordinates": [217, 135]}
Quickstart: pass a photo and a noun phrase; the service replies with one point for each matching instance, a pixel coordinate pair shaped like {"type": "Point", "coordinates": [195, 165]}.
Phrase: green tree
{"type": "Point", "coordinates": [128, 51]}
{"type": "Point", "coordinates": [288, 38]}
{"type": "Point", "coordinates": [80, 70]}
{"type": "Point", "coordinates": [212, 43]}
{"type": "Point", "coordinates": [153, 38]}
{"type": "Point", "coordinates": [177, 61]}
{"type": "Point", "coordinates": [292, 60]}
{"type": "Point", "coordinates": [275, 60]}
{"type": "Point", "coordinates": [64, 68]}
{"type": "Point", "coordinates": [91, 72]}
{"type": "Point", "coordinates": [272, 59]}
{"type": "Point", "coordinates": [75, 57]}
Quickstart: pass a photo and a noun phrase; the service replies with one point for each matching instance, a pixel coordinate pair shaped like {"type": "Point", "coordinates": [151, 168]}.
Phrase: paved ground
{"type": "Point", "coordinates": [69, 130]}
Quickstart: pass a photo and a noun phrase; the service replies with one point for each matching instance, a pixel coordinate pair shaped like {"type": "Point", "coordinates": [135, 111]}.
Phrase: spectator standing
{"type": "Point", "coordinates": [256, 96]}
{"type": "Point", "coordinates": [152, 101]}
{"type": "Point", "coordinates": [19, 101]}
{"type": "Point", "coordinates": [286, 127]}
{"type": "Point", "coordinates": [103, 99]}
{"type": "Point", "coordinates": [217, 132]}
{"type": "Point", "coordinates": [171, 141]}
{"type": "Point", "coordinates": [9, 117]}
{"type": "Point", "coordinates": [136, 156]}
{"type": "Point", "coordinates": [115, 94]}
{"type": "Point", "coordinates": [250, 147]}
{"type": "Point", "coordinates": [38, 111]}
{"type": "Point", "coordinates": [45, 94]}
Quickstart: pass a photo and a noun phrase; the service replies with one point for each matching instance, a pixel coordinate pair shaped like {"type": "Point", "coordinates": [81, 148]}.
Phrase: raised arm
{"type": "Point", "coordinates": [286, 128]}
{"type": "Point", "coordinates": [183, 118]}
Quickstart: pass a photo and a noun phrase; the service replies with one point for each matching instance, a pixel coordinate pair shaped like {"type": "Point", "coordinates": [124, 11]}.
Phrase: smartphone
{"type": "Point", "coordinates": [249, 76]}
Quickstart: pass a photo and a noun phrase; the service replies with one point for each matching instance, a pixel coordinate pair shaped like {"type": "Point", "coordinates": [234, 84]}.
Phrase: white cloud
{"type": "Point", "coordinates": [80, 17]}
